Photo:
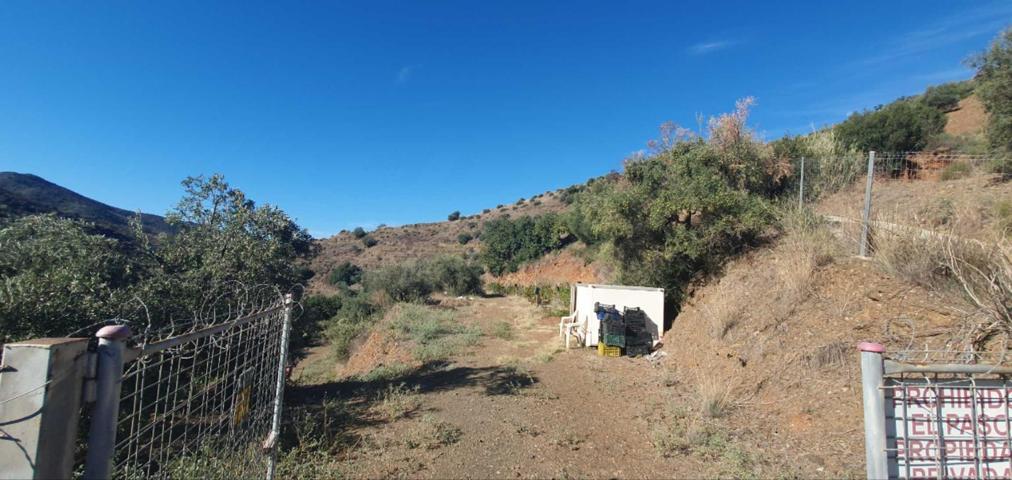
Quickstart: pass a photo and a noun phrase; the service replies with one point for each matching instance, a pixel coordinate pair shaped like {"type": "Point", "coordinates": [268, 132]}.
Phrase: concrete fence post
{"type": "Point", "coordinates": [104, 419]}
{"type": "Point", "coordinates": [279, 394]}
{"type": "Point", "coordinates": [801, 187]}
{"type": "Point", "coordinates": [876, 460]}
{"type": "Point", "coordinates": [866, 217]}
{"type": "Point", "coordinates": [40, 399]}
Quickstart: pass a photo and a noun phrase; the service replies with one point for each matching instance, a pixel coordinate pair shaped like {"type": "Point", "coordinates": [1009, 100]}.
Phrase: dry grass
{"type": "Point", "coordinates": [716, 396]}
{"type": "Point", "coordinates": [805, 245]}
{"type": "Point", "coordinates": [398, 401]}
{"type": "Point", "coordinates": [953, 263]}
{"type": "Point", "coordinates": [724, 315]}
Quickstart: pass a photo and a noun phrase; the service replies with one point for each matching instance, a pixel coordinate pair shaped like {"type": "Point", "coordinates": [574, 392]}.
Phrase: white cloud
{"type": "Point", "coordinates": [404, 74]}
{"type": "Point", "coordinates": [975, 23]}
{"type": "Point", "coordinates": [709, 47]}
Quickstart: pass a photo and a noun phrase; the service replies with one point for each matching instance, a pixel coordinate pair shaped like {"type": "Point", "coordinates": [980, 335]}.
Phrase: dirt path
{"type": "Point", "coordinates": [510, 407]}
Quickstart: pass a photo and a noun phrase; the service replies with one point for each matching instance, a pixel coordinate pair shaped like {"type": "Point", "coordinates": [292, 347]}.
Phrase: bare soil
{"type": "Point", "coordinates": [968, 119]}
{"type": "Point", "coordinates": [564, 415]}
{"type": "Point", "coordinates": [557, 268]}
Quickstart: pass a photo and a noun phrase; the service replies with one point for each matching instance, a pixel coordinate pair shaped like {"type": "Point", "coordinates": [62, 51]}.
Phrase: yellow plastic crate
{"type": "Point", "coordinates": [606, 351]}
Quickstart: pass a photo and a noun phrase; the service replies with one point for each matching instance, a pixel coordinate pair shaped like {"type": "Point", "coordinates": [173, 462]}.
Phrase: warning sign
{"type": "Point", "coordinates": [949, 429]}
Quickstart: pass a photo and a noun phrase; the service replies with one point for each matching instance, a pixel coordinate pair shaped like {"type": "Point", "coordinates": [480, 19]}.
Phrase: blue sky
{"type": "Point", "coordinates": [360, 113]}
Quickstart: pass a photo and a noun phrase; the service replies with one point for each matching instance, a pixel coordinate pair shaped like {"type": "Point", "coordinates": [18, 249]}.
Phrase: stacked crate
{"type": "Point", "coordinates": [638, 339]}
{"type": "Point", "coordinates": [613, 331]}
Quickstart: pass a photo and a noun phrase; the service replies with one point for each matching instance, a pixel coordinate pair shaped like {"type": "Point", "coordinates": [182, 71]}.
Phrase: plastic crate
{"type": "Point", "coordinates": [612, 340]}
{"type": "Point", "coordinates": [606, 351]}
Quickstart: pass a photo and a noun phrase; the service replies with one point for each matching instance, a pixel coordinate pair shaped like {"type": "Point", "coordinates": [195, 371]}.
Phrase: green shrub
{"type": "Point", "coordinates": [956, 170]}
{"type": "Point", "coordinates": [507, 243]}
{"type": "Point", "coordinates": [946, 97]}
{"type": "Point", "coordinates": [464, 238]}
{"type": "Point", "coordinates": [355, 317]}
{"type": "Point", "coordinates": [994, 86]}
{"type": "Point", "coordinates": [902, 126]}
{"type": "Point", "coordinates": [407, 282]}
{"type": "Point", "coordinates": [453, 216]}
{"type": "Point", "coordinates": [55, 277]}
{"type": "Point", "coordinates": [369, 242]}
{"type": "Point", "coordinates": [358, 232]}
{"type": "Point", "coordinates": [487, 210]}
{"type": "Point", "coordinates": [683, 211]}
{"type": "Point", "coordinates": [454, 275]}
{"type": "Point", "coordinates": [307, 326]}
{"type": "Point", "coordinates": [346, 273]}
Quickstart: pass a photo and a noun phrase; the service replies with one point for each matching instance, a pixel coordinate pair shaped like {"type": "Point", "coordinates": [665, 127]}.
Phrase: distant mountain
{"type": "Point", "coordinates": [25, 194]}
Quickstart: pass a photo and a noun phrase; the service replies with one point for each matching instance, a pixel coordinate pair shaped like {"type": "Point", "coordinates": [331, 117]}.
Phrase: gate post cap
{"type": "Point", "coordinates": [871, 347]}
{"type": "Point", "coordinates": [114, 332]}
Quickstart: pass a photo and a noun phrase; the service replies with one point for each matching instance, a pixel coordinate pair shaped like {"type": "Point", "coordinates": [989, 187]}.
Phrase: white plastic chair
{"type": "Point", "coordinates": [570, 327]}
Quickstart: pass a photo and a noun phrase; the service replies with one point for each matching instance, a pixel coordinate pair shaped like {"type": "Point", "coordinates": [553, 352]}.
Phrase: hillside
{"type": "Point", "coordinates": [25, 194]}
{"type": "Point", "coordinates": [419, 240]}
{"type": "Point", "coordinates": [770, 387]}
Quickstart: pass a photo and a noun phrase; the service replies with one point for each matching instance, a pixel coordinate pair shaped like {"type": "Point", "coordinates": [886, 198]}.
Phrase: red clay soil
{"type": "Point", "coordinates": [557, 268]}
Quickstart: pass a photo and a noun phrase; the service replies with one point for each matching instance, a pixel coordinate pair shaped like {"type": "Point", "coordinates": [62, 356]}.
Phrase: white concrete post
{"type": "Point", "coordinates": [105, 416]}
{"type": "Point", "coordinates": [876, 460]}
{"type": "Point", "coordinates": [866, 218]}
{"type": "Point", "coordinates": [40, 399]}
{"type": "Point", "coordinates": [279, 395]}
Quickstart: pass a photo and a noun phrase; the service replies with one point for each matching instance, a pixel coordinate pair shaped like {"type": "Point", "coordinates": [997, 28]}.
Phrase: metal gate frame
{"type": "Point", "coordinates": [880, 377]}
{"type": "Point", "coordinates": [113, 355]}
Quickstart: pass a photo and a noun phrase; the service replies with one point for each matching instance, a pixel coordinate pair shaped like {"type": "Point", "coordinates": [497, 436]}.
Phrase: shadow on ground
{"type": "Point", "coordinates": [335, 410]}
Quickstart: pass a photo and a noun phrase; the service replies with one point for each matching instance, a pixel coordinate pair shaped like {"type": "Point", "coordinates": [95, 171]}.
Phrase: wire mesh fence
{"type": "Point", "coordinates": [201, 400]}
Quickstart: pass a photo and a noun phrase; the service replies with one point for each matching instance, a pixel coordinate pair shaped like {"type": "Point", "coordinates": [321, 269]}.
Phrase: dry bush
{"type": "Point", "coordinates": [984, 273]}
{"type": "Point", "coordinates": [717, 396]}
{"type": "Point", "coordinates": [806, 245]}
{"type": "Point", "coordinates": [918, 259]}
{"type": "Point", "coordinates": [953, 263]}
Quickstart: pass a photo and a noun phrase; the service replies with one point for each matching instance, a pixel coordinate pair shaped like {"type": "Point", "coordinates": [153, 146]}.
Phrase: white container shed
{"type": "Point", "coordinates": [584, 296]}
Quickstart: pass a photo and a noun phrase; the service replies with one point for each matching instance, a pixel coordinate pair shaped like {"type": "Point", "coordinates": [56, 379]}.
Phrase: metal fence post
{"type": "Point", "coordinates": [801, 189]}
{"type": "Point", "coordinates": [866, 218]}
{"type": "Point", "coordinates": [40, 398]}
{"type": "Point", "coordinates": [279, 395]}
{"type": "Point", "coordinates": [109, 381]}
{"type": "Point", "coordinates": [876, 460]}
